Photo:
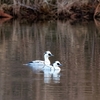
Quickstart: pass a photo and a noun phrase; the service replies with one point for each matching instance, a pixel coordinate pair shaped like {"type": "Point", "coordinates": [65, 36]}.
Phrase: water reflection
{"type": "Point", "coordinates": [35, 69]}
{"type": "Point", "coordinates": [51, 74]}
{"type": "Point", "coordinates": [2, 20]}
{"type": "Point", "coordinates": [76, 46]}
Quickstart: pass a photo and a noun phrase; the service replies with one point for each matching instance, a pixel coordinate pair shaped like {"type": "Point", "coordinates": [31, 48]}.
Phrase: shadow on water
{"type": "Point", "coordinates": [77, 47]}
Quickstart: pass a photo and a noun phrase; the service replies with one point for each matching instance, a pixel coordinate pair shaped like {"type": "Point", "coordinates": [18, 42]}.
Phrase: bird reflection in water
{"type": "Point", "coordinates": [51, 72]}
{"type": "Point", "coordinates": [52, 75]}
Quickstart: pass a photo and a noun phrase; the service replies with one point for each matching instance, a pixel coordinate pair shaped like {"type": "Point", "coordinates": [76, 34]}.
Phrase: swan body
{"type": "Point", "coordinates": [42, 63]}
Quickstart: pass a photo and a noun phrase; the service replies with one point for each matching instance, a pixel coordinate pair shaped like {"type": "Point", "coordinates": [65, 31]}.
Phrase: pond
{"type": "Point", "coordinates": [75, 45]}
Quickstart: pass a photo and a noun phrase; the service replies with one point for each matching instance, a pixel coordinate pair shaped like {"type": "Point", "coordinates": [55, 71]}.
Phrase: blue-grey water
{"type": "Point", "coordinates": [75, 45]}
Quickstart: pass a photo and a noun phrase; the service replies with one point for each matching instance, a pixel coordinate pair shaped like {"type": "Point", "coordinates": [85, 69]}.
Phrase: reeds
{"type": "Point", "coordinates": [47, 9]}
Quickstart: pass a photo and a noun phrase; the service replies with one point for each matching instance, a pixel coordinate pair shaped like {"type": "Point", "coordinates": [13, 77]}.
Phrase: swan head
{"type": "Point", "coordinates": [57, 64]}
{"type": "Point", "coordinates": [48, 54]}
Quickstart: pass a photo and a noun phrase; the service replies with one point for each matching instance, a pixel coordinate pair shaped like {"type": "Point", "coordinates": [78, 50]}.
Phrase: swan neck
{"type": "Point", "coordinates": [46, 60]}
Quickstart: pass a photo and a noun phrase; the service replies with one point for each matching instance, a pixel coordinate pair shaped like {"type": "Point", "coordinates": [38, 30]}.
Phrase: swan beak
{"type": "Point", "coordinates": [60, 65]}
{"type": "Point", "coordinates": [52, 55]}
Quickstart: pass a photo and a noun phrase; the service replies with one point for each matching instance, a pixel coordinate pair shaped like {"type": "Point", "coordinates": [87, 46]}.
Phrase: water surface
{"type": "Point", "coordinates": [76, 46]}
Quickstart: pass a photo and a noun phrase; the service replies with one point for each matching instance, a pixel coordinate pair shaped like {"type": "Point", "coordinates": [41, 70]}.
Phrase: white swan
{"type": "Point", "coordinates": [55, 66]}
{"type": "Point", "coordinates": [52, 72]}
{"type": "Point", "coordinates": [46, 61]}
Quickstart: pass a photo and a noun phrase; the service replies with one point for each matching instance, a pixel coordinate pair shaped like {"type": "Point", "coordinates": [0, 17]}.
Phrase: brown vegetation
{"type": "Point", "coordinates": [45, 10]}
{"type": "Point", "coordinates": [97, 11]}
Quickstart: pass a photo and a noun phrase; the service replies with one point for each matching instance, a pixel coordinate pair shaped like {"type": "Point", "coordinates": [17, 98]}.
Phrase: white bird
{"type": "Point", "coordinates": [55, 66]}
{"type": "Point", "coordinates": [52, 71]}
{"type": "Point", "coordinates": [42, 63]}
{"type": "Point", "coordinates": [48, 70]}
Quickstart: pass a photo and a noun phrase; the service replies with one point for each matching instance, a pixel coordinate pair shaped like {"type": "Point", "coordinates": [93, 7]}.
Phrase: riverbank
{"type": "Point", "coordinates": [45, 11]}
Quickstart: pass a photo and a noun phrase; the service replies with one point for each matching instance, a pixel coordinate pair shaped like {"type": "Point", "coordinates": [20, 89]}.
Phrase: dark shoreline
{"type": "Point", "coordinates": [44, 11]}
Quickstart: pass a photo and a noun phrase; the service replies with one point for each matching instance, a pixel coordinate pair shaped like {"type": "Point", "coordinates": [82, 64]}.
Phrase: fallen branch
{"type": "Point", "coordinates": [4, 15]}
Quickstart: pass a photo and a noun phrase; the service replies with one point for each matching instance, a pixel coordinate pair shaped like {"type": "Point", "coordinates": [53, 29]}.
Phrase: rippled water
{"type": "Point", "coordinates": [76, 46]}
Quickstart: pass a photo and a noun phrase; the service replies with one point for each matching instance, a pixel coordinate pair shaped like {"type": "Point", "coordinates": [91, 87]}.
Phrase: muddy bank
{"type": "Point", "coordinates": [45, 11]}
